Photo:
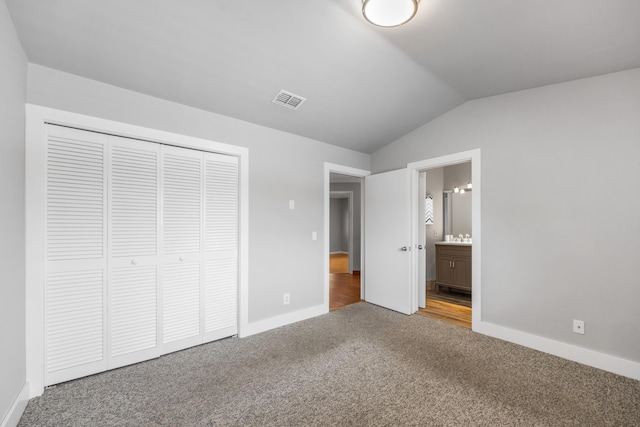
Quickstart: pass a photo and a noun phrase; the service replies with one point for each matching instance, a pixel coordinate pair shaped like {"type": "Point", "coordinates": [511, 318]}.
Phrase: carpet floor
{"type": "Point", "coordinates": [358, 366]}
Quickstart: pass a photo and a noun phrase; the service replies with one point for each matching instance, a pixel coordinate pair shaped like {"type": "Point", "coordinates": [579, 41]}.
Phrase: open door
{"type": "Point", "coordinates": [421, 246]}
{"type": "Point", "coordinates": [388, 240]}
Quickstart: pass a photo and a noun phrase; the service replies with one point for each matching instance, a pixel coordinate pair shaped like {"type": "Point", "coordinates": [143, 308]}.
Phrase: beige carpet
{"type": "Point", "coordinates": [358, 366]}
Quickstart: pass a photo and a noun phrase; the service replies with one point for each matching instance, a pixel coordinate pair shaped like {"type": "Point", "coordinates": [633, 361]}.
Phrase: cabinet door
{"type": "Point", "coordinates": [220, 302]}
{"type": "Point", "coordinates": [75, 254]}
{"type": "Point", "coordinates": [133, 273]}
{"type": "Point", "coordinates": [182, 248]}
{"type": "Point", "coordinates": [444, 272]}
{"type": "Point", "coordinates": [462, 272]}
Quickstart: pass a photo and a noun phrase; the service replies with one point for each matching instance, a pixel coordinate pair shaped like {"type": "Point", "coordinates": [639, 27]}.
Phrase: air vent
{"type": "Point", "coordinates": [288, 99]}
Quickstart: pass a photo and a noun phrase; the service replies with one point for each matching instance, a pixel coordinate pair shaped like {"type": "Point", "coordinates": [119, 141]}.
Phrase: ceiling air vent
{"type": "Point", "coordinates": [288, 99]}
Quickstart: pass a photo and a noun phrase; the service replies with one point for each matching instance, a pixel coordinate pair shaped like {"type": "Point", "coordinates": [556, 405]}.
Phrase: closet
{"type": "Point", "coordinates": [141, 250]}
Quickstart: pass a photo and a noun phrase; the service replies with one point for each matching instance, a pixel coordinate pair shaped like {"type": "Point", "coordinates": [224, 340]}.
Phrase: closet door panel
{"type": "Point", "coordinates": [134, 199]}
{"type": "Point", "coordinates": [134, 248]}
{"type": "Point", "coordinates": [74, 324]}
{"type": "Point", "coordinates": [75, 195]}
{"type": "Point", "coordinates": [182, 247]}
{"type": "Point", "coordinates": [181, 303]}
{"type": "Point", "coordinates": [182, 201]}
{"type": "Point", "coordinates": [221, 246]}
{"type": "Point", "coordinates": [75, 254]}
{"type": "Point", "coordinates": [133, 310]}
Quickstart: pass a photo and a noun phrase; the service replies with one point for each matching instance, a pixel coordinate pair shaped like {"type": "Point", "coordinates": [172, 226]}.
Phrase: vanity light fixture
{"type": "Point", "coordinates": [389, 13]}
{"type": "Point", "coordinates": [469, 186]}
{"type": "Point", "coordinates": [462, 191]}
{"type": "Point", "coordinates": [456, 190]}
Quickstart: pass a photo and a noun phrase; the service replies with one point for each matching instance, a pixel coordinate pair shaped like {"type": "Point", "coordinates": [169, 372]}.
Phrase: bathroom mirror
{"type": "Point", "coordinates": [457, 213]}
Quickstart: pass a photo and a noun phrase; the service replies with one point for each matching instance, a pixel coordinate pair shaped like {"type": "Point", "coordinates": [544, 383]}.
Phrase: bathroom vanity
{"type": "Point", "coordinates": [453, 266]}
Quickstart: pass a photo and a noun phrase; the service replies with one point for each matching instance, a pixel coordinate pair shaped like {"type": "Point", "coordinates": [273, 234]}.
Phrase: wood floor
{"type": "Point", "coordinates": [344, 288]}
{"type": "Point", "coordinates": [447, 311]}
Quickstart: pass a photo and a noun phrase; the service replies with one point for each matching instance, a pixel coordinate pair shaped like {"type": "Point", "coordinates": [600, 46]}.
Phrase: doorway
{"type": "Point", "coordinates": [344, 247]}
{"type": "Point", "coordinates": [343, 260]}
{"type": "Point", "coordinates": [447, 192]}
{"type": "Point", "coordinates": [458, 297]}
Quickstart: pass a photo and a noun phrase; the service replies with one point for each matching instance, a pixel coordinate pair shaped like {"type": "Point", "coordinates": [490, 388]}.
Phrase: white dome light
{"type": "Point", "coordinates": [389, 13]}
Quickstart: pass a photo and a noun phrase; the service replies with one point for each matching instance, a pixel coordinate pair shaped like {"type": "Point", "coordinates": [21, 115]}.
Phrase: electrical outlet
{"type": "Point", "coordinates": [578, 326]}
{"type": "Point", "coordinates": [286, 299]}
{"type": "Point", "coordinates": [435, 233]}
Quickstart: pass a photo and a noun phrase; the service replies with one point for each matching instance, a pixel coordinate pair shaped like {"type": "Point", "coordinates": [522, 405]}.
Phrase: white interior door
{"type": "Point", "coordinates": [75, 254]}
{"type": "Point", "coordinates": [182, 247]}
{"type": "Point", "coordinates": [421, 246]}
{"type": "Point", "coordinates": [388, 240]}
{"type": "Point", "coordinates": [220, 285]}
{"type": "Point", "coordinates": [134, 249]}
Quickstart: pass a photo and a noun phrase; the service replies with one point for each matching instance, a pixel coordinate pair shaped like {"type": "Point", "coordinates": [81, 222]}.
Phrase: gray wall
{"type": "Point", "coordinates": [282, 256]}
{"type": "Point", "coordinates": [558, 163]}
{"type": "Point", "coordinates": [357, 215]}
{"type": "Point", "coordinates": [339, 225]}
{"type": "Point", "coordinates": [13, 86]}
{"type": "Point", "coordinates": [457, 175]}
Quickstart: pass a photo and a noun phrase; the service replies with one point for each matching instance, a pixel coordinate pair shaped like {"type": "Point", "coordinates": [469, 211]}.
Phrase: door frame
{"type": "Point", "coordinates": [414, 170]}
{"type": "Point", "coordinates": [350, 171]}
{"type": "Point", "coordinates": [37, 117]}
{"type": "Point", "coordinates": [349, 196]}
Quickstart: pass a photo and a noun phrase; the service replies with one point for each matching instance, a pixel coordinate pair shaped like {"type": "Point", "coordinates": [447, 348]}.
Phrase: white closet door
{"type": "Point", "coordinates": [220, 302]}
{"type": "Point", "coordinates": [134, 249]}
{"type": "Point", "coordinates": [75, 264]}
{"type": "Point", "coordinates": [182, 248]}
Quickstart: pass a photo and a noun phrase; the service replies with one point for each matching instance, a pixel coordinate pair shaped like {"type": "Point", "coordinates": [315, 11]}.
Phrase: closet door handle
{"type": "Point", "coordinates": [454, 264]}
{"type": "Point", "coordinates": [450, 264]}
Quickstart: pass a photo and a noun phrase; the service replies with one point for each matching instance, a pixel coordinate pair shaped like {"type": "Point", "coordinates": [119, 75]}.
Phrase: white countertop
{"type": "Point", "coordinates": [454, 243]}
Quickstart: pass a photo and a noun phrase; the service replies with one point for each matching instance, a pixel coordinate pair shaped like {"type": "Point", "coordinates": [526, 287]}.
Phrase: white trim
{"type": "Point", "coordinates": [17, 408]}
{"type": "Point", "coordinates": [582, 355]}
{"type": "Point", "coordinates": [344, 170]}
{"type": "Point", "coordinates": [284, 319]}
{"type": "Point", "coordinates": [415, 168]}
{"type": "Point", "coordinates": [338, 252]}
{"type": "Point", "coordinates": [349, 194]}
{"type": "Point", "coordinates": [36, 118]}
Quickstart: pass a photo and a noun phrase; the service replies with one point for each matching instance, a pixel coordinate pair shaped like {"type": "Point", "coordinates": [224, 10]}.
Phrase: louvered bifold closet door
{"type": "Point", "coordinates": [75, 254]}
{"type": "Point", "coordinates": [220, 303]}
{"type": "Point", "coordinates": [182, 247]}
{"type": "Point", "coordinates": [134, 203]}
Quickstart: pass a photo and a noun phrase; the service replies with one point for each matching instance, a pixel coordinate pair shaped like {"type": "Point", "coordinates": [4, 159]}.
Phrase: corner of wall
{"type": "Point", "coordinates": [17, 408]}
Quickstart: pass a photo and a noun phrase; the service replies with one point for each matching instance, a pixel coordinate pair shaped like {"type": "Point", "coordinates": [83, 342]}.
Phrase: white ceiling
{"type": "Point", "coordinates": [365, 86]}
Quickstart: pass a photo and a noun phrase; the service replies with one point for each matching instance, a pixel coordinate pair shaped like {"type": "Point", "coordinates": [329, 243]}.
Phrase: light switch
{"type": "Point", "coordinates": [314, 235]}
{"type": "Point", "coordinates": [292, 204]}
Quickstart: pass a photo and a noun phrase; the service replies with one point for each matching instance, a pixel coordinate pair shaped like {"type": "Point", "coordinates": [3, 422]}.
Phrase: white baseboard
{"type": "Point", "coordinates": [581, 355]}
{"type": "Point", "coordinates": [284, 319]}
{"type": "Point", "coordinates": [17, 408]}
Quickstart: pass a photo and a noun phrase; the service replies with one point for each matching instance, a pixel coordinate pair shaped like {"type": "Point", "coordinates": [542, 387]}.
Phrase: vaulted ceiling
{"type": "Point", "coordinates": [365, 86]}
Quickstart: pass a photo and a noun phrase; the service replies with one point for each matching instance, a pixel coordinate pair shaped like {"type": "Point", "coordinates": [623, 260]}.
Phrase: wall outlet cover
{"type": "Point", "coordinates": [578, 327]}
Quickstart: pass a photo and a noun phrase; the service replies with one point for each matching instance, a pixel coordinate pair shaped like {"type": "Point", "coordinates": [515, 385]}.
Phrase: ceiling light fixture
{"type": "Point", "coordinates": [389, 13]}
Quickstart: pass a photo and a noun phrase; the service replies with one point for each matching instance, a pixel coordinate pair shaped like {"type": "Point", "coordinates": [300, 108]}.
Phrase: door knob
{"type": "Point", "coordinates": [420, 247]}
{"type": "Point", "coordinates": [181, 258]}
{"type": "Point", "coordinates": [404, 249]}
{"type": "Point", "coordinates": [134, 261]}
